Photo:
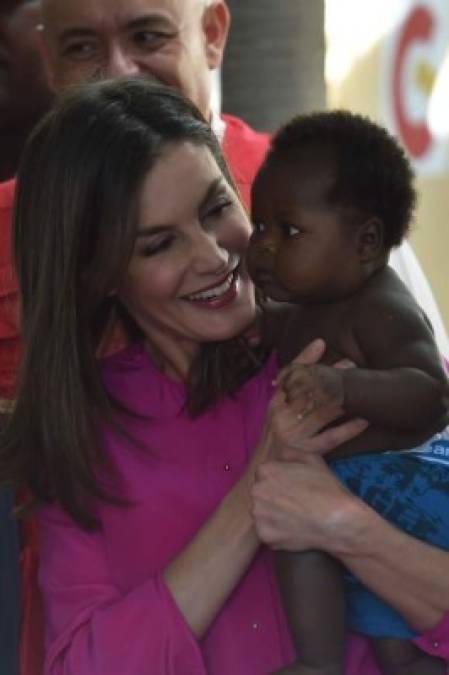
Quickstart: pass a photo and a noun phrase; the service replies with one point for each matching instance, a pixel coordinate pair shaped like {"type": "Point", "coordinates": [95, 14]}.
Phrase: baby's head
{"type": "Point", "coordinates": [333, 197]}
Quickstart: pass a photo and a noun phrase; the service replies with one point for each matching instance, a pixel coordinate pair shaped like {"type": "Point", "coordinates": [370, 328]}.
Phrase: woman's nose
{"type": "Point", "coordinates": [209, 256]}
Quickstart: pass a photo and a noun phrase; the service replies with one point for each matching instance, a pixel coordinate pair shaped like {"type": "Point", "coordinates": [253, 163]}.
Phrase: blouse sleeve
{"type": "Point", "coordinates": [92, 627]}
{"type": "Point", "coordinates": [436, 641]}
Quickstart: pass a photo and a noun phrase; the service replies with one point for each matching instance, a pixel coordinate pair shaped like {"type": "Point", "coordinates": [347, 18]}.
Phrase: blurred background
{"type": "Point", "coordinates": [387, 59]}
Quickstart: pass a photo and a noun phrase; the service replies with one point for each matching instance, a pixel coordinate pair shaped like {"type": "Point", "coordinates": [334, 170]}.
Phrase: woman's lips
{"type": "Point", "coordinates": [218, 295]}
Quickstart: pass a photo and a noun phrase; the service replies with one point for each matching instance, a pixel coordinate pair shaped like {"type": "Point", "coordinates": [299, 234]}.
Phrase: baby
{"type": "Point", "coordinates": [333, 197]}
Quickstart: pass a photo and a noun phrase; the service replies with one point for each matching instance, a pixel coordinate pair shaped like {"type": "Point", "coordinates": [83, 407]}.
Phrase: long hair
{"type": "Point", "coordinates": [74, 231]}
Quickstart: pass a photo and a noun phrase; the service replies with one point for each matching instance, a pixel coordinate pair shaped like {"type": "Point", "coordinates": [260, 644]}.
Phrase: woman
{"type": "Point", "coordinates": [144, 465]}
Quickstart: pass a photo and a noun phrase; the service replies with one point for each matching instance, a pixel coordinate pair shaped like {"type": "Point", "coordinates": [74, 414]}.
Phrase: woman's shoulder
{"type": "Point", "coordinates": [133, 381]}
{"type": "Point", "coordinates": [126, 358]}
{"type": "Point", "coordinates": [127, 374]}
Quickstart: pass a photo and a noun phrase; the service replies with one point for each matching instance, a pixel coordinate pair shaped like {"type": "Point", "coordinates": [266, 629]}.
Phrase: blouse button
{"type": "Point", "coordinates": [227, 467]}
{"type": "Point", "coordinates": [256, 625]}
{"type": "Point", "coordinates": [436, 644]}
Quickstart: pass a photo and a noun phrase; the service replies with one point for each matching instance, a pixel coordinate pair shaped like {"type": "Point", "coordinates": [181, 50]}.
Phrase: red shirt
{"type": "Point", "coordinates": [244, 150]}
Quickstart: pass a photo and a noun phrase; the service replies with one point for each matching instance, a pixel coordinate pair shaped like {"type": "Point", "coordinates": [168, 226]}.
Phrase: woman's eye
{"type": "Point", "coordinates": [157, 247]}
{"type": "Point", "coordinates": [218, 209]}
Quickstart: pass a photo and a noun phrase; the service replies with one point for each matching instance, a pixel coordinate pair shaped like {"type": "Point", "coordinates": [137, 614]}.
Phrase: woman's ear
{"type": "Point", "coordinates": [370, 239]}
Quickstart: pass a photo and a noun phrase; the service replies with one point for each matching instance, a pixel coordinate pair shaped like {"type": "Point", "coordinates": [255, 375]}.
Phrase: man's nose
{"type": "Point", "coordinates": [120, 63]}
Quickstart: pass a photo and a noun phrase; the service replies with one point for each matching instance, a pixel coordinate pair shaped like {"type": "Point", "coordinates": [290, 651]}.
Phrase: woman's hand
{"type": "Point", "coordinates": [307, 388]}
{"type": "Point", "coordinates": [296, 427]}
{"type": "Point", "coordinates": [300, 505]}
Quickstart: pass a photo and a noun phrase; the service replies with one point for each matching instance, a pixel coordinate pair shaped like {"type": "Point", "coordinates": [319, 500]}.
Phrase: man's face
{"type": "Point", "coordinates": [23, 90]}
{"type": "Point", "coordinates": [174, 41]}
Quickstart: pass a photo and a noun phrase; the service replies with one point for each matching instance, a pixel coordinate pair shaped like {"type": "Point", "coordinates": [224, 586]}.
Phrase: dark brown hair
{"type": "Point", "coordinates": [74, 232]}
{"type": "Point", "coordinates": [373, 173]}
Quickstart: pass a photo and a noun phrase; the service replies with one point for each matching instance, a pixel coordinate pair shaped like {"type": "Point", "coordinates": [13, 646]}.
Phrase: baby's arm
{"type": "Point", "coordinates": [404, 388]}
{"type": "Point", "coordinates": [403, 391]}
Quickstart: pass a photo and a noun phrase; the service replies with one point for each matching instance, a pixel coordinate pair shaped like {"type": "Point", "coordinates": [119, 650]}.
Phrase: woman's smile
{"type": "Point", "coordinates": [187, 279]}
{"type": "Point", "coordinates": [219, 294]}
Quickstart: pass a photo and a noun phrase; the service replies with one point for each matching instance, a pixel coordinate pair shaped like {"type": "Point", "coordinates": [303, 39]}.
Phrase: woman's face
{"type": "Point", "coordinates": [186, 282]}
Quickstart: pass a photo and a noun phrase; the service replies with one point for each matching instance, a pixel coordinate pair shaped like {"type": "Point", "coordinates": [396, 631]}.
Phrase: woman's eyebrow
{"type": "Point", "coordinates": [150, 230]}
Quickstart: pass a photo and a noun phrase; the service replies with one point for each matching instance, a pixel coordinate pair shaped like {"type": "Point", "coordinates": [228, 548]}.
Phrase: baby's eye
{"type": "Point", "coordinates": [258, 228]}
{"type": "Point", "coordinates": [290, 230]}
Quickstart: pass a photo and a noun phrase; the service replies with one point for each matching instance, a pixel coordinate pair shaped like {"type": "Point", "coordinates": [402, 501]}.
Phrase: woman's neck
{"type": "Point", "coordinates": [171, 357]}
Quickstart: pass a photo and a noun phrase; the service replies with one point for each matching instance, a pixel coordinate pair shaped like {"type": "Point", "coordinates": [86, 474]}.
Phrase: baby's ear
{"type": "Point", "coordinates": [370, 239]}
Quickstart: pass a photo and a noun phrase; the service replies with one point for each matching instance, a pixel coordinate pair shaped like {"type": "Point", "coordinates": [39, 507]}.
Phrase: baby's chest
{"type": "Point", "coordinates": [335, 330]}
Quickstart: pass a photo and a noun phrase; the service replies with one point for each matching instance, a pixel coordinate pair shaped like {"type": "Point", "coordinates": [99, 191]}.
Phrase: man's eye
{"type": "Point", "coordinates": [150, 39]}
{"type": "Point", "coordinates": [80, 51]}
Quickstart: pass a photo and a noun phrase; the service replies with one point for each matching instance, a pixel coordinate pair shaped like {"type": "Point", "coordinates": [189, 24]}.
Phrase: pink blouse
{"type": "Point", "coordinates": [108, 611]}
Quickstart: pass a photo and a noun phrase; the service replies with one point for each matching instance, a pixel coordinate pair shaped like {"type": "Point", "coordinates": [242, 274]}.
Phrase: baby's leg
{"type": "Point", "coordinates": [312, 592]}
{"type": "Point", "coordinates": [401, 657]}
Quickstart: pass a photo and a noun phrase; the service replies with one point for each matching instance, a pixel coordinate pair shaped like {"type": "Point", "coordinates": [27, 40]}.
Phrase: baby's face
{"type": "Point", "coordinates": [300, 249]}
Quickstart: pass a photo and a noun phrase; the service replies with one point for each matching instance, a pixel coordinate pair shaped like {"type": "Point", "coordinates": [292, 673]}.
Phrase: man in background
{"type": "Point", "coordinates": [176, 42]}
{"type": "Point", "coordinates": [24, 92]}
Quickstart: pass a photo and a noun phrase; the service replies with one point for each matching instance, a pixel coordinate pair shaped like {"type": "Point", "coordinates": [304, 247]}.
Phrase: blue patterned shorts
{"type": "Point", "coordinates": [410, 489]}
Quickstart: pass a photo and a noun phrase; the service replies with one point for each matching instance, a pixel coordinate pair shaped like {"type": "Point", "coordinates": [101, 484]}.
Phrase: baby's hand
{"type": "Point", "coordinates": [298, 435]}
{"type": "Point", "coordinates": [309, 387]}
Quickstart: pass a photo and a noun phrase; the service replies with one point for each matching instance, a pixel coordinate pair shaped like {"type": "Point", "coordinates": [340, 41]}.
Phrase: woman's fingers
{"type": "Point", "coordinates": [311, 354]}
{"type": "Point", "coordinates": [344, 364]}
{"type": "Point", "coordinates": [303, 433]}
{"type": "Point", "coordinates": [288, 506]}
{"type": "Point", "coordinates": [330, 439]}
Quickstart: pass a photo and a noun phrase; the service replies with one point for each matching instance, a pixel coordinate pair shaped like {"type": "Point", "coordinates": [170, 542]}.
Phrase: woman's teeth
{"type": "Point", "coordinates": [215, 292]}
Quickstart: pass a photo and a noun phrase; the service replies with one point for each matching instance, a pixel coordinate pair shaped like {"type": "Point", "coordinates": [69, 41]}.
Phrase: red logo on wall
{"type": "Point", "coordinates": [418, 27]}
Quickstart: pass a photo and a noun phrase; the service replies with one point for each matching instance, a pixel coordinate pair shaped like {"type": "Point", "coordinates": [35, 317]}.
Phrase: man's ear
{"type": "Point", "coordinates": [216, 22]}
{"type": "Point", "coordinates": [46, 57]}
{"type": "Point", "coordinates": [370, 239]}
